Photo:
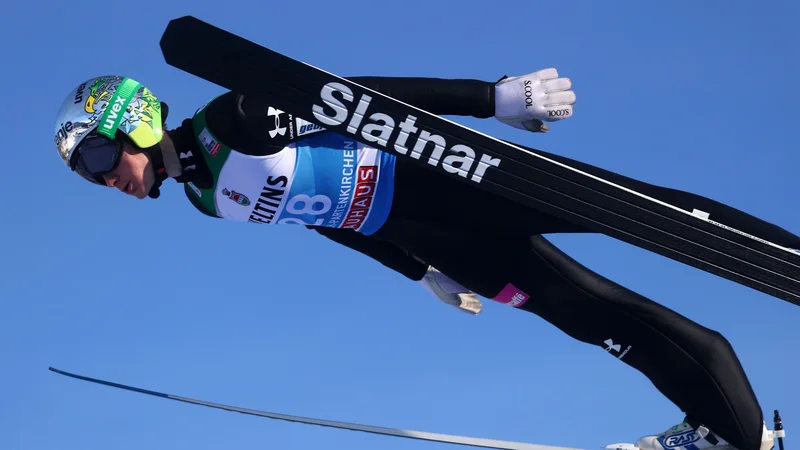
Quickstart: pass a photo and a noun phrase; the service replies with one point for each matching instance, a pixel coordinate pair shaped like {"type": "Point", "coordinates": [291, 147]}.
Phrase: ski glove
{"type": "Point", "coordinates": [450, 292]}
{"type": "Point", "coordinates": [527, 101]}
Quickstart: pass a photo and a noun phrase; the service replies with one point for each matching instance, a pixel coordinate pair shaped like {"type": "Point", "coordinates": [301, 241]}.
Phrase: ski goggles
{"type": "Point", "coordinates": [95, 156]}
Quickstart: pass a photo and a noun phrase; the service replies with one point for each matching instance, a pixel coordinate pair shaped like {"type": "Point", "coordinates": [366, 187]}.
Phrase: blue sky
{"type": "Point", "coordinates": [695, 95]}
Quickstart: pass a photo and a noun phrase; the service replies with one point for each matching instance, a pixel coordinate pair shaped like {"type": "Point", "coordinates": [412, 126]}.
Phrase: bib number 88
{"type": "Point", "coordinates": [303, 204]}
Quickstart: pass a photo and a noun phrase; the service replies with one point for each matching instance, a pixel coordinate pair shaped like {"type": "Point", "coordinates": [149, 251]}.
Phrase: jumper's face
{"type": "Point", "coordinates": [134, 174]}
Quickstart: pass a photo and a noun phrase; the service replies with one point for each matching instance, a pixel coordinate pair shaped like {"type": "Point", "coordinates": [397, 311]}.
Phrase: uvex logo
{"type": "Point", "coordinates": [79, 93]}
{"type": "Point", "coordinates": [381, 129]}
{"type": "Point", "coordinates": [113, 116]}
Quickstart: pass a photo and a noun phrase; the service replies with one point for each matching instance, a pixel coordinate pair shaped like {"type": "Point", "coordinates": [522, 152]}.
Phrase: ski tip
{"type": "Point", "coordinates": [177, 28]}
{"type": "Point", "coordinates": [621, 446]}
{"type": "Point", "coordinates": [185, 20]}
{"type": "Point", "coordinates": [60, 372]}
{"type": "Point", "coordinates": [182, 36]}
{"type": "Point", "coordinates": [185, 24]}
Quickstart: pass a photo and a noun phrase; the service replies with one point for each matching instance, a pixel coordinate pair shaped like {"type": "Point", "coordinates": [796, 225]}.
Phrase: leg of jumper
{"type": "Point", "coordinates": [481, 241]}
{"type": "Point", "coordinates": [693, 366]}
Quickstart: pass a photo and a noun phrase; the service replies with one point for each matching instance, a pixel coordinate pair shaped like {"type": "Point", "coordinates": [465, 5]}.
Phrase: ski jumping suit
{"type": "Point", "coordinates": [245, 160]}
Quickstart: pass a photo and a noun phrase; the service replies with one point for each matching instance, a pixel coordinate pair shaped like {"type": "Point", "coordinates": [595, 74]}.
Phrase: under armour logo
{"type": "Point", "coordinates": [186, 154]}
{"type": "Point", "coordinates": [278, 128]}
{"type": "Point", "coordinates": [611, 346]}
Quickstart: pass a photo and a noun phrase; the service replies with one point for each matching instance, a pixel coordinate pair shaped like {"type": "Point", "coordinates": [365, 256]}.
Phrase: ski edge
{"type": "Point", "coordinates": [395, 432]}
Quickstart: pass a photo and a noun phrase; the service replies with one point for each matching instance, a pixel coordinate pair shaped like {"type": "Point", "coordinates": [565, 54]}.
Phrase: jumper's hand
{"type": "Point", "coordinates": [527, 101]}
{"type": "Point", "coordinates": [450, 292]}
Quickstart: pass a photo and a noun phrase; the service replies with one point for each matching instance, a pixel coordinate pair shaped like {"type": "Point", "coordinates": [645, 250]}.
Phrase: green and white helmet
{"type": "Point", "coordinates": [108, 104]}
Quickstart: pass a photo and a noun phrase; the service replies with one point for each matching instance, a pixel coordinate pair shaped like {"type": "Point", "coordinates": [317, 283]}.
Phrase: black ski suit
{"type": "Point", "coordinates": [488, 243]}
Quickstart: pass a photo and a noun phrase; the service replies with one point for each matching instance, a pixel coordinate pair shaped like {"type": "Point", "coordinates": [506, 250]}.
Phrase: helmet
{"type": "Point", "coordinates": [106, 105]}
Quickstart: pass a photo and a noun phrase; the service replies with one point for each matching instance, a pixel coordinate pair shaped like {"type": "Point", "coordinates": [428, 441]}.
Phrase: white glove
{"type": "Point", "coordinates": [450, 292]}
{"type": "Point", "coordinates": [526, 102]}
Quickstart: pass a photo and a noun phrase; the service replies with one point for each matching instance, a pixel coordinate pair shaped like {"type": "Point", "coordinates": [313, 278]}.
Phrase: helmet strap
{"type": "Point", "coordinates": [157, 159]}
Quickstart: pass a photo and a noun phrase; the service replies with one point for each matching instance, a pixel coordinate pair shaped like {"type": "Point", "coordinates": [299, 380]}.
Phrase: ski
{"type": "Point", "coordinates": [395, 432]}
{"type": "Point", "coordinates": [315, 96]}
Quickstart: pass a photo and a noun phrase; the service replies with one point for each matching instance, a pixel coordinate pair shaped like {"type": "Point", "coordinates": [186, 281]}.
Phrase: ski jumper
{"type": "Point", "coordinates": [245, 160]}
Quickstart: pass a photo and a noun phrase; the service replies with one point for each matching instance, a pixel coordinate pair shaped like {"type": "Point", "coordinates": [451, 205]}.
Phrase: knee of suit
{"type": "Point", "coordinates": [716, 348]}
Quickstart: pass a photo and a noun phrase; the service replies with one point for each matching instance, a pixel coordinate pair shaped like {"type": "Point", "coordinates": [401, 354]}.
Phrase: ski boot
{"type": "Point", "coordinates": [684, 437]}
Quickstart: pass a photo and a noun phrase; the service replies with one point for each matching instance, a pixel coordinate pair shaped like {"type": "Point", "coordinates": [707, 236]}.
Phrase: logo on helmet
{"type": "Point", "coordinates": [93, 98]}
{"type": "Point", "coordinates": [79, 93]}
{"type": "Point", "coordinates": [63, 132]}
{"type": "Point", "coordinates": [113, 116]}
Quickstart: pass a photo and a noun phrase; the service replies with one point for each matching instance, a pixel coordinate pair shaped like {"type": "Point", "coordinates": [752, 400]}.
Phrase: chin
{"type": "Point", "coordinates": [141, 195]}
{"type": "Point", "coordinates": [138, 193]}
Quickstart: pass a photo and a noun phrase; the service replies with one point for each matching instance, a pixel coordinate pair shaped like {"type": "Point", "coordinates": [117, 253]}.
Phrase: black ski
{"type": "Point", "coordinates": [337, 104]}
